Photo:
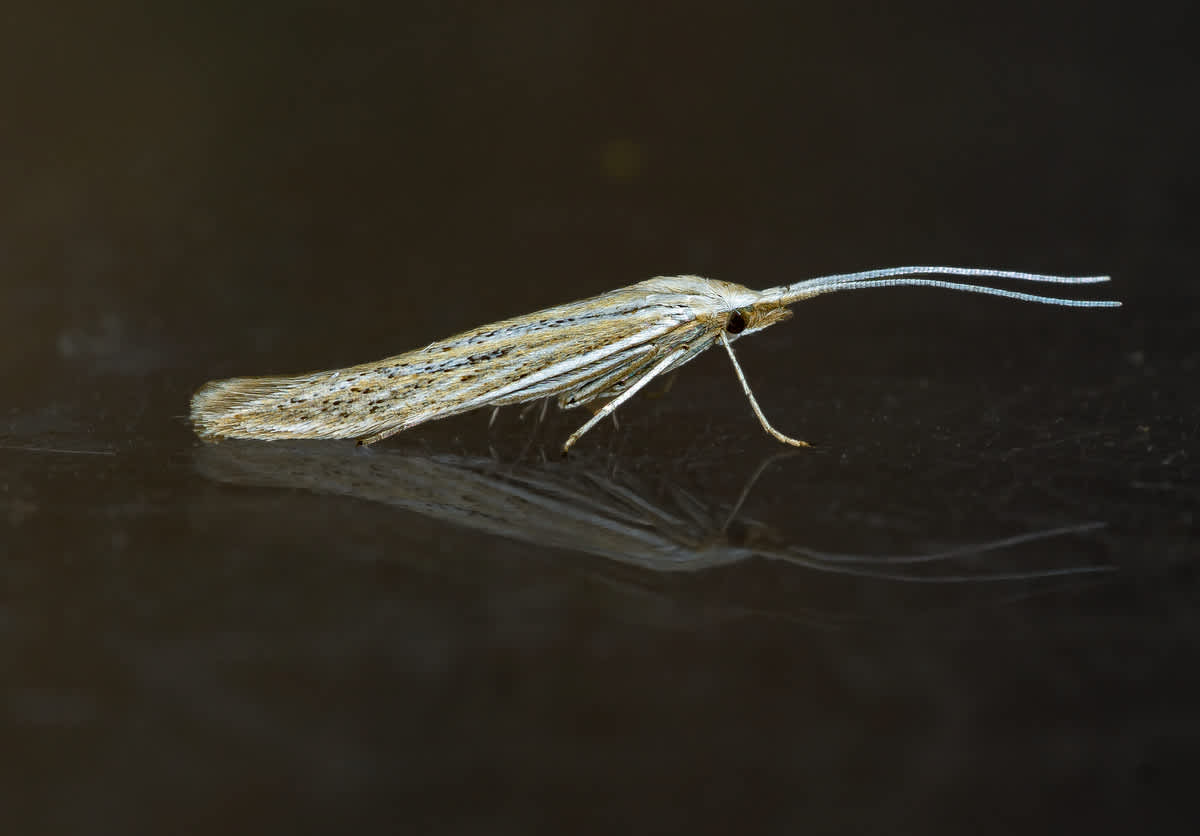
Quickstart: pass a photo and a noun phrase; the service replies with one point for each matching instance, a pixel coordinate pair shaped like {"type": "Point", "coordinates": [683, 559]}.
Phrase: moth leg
{"type": "Point", "coordinates": [492, 420]}
{"type": "Point", "coordinates": [529, 407]}
{"type": "Point", "coordinates": [609, 407]}
{"type": "Point", "coordinates": [598, 391]}
{"type": "Point", "coordinates": [752, 481]}
{"type": "Point", "coordinates": [762, 419]}
{"type": "Point", "coordinates": [367, 441]}
{"type": "Point", "coordinates": [533, 434]}
{"type": "Point", "coordinates": [601, 405]}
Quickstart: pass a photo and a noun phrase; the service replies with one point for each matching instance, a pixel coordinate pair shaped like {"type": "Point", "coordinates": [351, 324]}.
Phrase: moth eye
{"type": "Point", "coordinates": [736, 323]}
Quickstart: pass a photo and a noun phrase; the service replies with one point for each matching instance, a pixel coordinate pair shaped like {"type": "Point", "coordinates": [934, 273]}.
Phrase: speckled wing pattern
{"type": "Point", "coordinates": [582, 352]}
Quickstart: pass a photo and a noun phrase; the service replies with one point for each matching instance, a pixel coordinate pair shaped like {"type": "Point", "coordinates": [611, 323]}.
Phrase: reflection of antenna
{"type": "Point", "coordinates": [848, 563]}
{"type": "Point", "coordinates": [569, 506]}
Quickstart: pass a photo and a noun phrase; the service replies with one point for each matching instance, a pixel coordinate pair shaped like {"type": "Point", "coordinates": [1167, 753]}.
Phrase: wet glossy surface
{"type": "Point", "coordinates": [456, 631]}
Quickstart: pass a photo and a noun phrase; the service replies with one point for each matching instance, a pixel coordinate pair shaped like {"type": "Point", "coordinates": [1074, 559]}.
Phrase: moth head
{"type": "Point", "coordinates": [750, 319]}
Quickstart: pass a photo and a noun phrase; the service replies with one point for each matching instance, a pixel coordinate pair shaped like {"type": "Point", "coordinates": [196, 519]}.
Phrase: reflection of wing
{"type": "Point", "coordinates": [564, 505]}
{"type": "Point", "coordinates": [554, 505]}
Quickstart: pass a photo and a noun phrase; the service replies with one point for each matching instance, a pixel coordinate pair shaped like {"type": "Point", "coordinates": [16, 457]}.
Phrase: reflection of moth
{"type": "Point", "coordinates": [597, 352]}
{"type": "Point", "coordinates": [563, 506]}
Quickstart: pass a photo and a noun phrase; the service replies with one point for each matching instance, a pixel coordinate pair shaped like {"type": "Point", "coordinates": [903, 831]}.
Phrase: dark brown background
{"type": "Point", "coordinates": [197, 190]}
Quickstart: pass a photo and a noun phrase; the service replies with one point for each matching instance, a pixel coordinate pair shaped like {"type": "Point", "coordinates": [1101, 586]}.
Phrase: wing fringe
{"type": "Point", "coordinates": [220, 406]}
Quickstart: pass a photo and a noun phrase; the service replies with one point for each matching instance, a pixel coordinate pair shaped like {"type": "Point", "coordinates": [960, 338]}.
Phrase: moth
{"type": "Point", "coordinates": [597, 352]}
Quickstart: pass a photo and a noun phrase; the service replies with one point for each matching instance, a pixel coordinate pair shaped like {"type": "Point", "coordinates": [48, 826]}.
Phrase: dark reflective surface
{"type": "Point", "coordinates": [457, 632]}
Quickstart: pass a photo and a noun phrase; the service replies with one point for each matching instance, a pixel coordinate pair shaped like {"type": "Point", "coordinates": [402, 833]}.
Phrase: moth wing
{"type": "Point", "coordinates": [543, 354]}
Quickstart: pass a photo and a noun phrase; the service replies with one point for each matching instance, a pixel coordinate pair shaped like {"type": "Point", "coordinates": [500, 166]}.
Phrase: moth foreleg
{"type": "Point", "coordinates": [762, 419]}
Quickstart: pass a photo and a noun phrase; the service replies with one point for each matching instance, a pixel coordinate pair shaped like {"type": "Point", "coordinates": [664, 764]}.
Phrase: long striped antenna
{"type": "Point", "coordinates": [904, 277]}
